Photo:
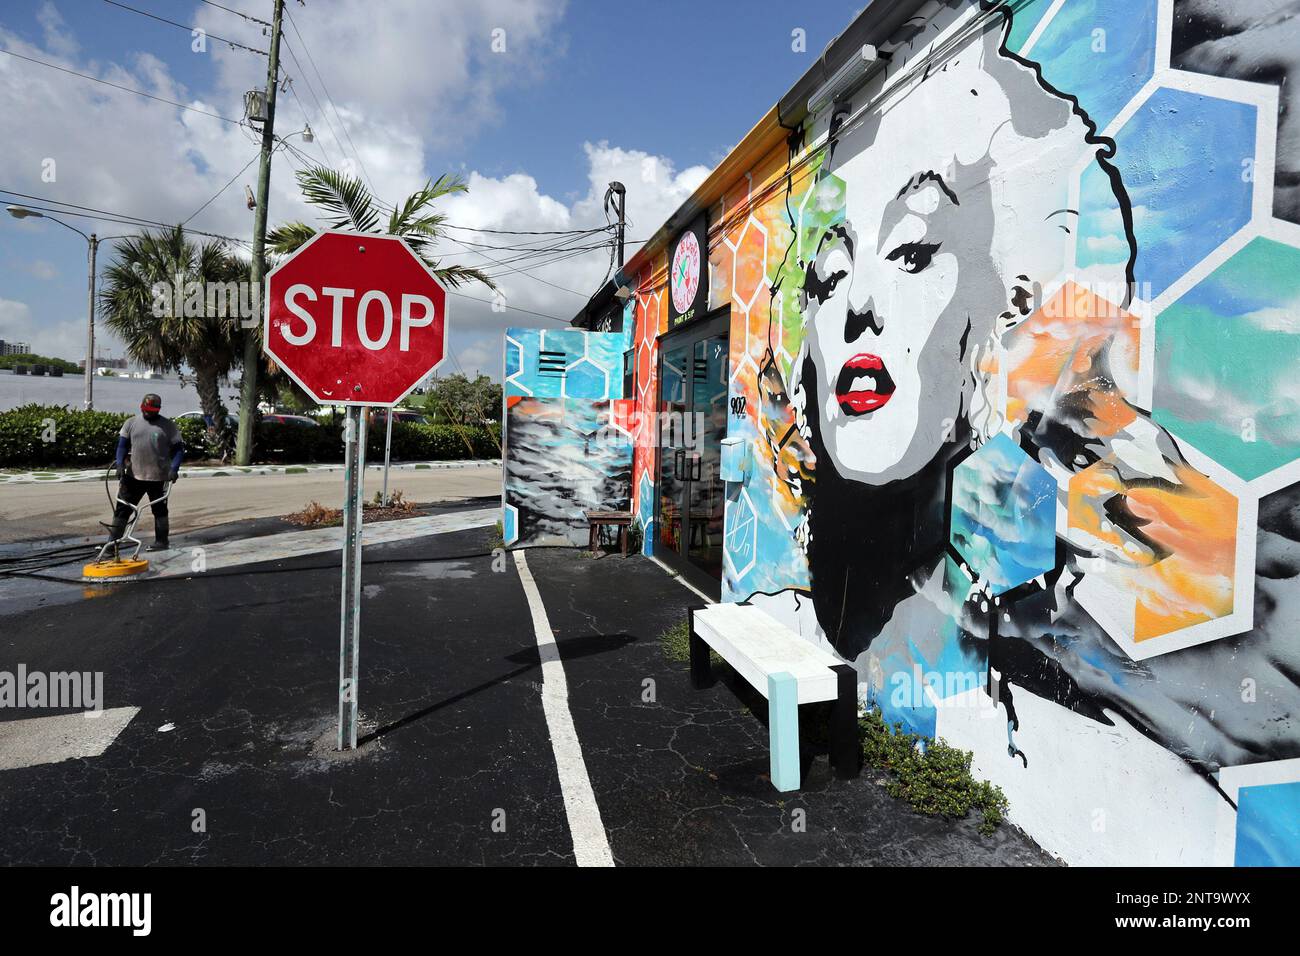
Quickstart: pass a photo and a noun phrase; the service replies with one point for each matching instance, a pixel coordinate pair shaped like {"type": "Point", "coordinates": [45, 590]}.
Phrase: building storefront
{"type": "Point", "coordinates": [974, 362]}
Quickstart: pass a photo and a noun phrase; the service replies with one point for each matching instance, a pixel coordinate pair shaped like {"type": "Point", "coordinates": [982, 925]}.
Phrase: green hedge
{"type": "Point", "coordinates": [88, 439]}
{"type": "Point", "coordinates": [411, 442]}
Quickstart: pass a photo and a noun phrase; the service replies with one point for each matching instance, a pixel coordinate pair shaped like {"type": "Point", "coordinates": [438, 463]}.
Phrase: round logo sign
{"type": "Point", "coordinates": [685, 279]}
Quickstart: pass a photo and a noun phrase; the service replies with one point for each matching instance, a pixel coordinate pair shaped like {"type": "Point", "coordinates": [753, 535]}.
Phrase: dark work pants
{"type": "Point", "coordinates": [132, 490]}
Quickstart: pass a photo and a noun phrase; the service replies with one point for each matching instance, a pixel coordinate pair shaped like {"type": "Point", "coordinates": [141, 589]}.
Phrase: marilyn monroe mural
{"type": "Point", "coordinates": [933, 420]}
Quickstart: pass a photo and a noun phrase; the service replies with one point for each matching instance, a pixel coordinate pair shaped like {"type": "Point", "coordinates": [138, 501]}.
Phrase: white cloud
{"type": "Point", "coordinates": [655, 188]}
{"type": "Point", "coordinates": [62, 338]}
{"type": "Point", "coordinates": [437, 78]}
{"type": "Point", "coordinates": [39, 269]}
{"type": "Point", "coordinates": [55, 30]}
{"type": "Point", "coordinates": [402, 74]}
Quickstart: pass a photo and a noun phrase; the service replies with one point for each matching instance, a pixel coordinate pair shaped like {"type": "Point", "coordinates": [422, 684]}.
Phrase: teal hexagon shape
{"type": "Point", "coordinates": [1227, 354]}
{"type": "Point", "coordinates": [1003, 518]}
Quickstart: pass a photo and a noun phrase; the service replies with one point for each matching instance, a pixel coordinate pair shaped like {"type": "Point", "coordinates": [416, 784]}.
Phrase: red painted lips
{"type": "Point", "coordinates": [863, 385]}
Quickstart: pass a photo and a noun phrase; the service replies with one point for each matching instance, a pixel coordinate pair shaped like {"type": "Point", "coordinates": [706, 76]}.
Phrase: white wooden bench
{"type": "Point", "coordinates": [788, 671]}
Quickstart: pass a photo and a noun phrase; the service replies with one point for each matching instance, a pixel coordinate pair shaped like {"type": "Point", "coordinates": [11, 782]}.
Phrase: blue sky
{"type": "Point", "coordinates": [582, 93]}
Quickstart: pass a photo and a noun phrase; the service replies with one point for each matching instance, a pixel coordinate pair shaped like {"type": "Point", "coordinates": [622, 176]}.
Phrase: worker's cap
{"type": "Point", "coordinates": [151, 403]}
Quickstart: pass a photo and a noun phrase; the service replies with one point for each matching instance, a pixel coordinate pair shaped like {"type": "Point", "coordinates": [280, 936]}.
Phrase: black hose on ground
{"type": "Point", "coordinates": [236, 572]}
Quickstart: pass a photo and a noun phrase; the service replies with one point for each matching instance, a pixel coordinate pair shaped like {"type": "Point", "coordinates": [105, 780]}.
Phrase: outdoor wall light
{"type": "Point", "coordinates": [845, 78]}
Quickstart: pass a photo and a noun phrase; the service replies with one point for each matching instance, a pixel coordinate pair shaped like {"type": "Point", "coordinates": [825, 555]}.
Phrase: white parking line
{"type": "Point", "coordinates": [293, 544]}
{"type": "Point", "coordinates": [677, 575]}
{"type": "Point", "coordinates": [590, 843]}
{"type": "Point", "coordinates": [40, 740]}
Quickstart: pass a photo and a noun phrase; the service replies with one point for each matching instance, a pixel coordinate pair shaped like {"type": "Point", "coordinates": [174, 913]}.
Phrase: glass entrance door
{"type": "Point", "coordinates": [692, 423]}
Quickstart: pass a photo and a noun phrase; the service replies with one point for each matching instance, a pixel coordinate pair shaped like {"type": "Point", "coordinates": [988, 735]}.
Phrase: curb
{"type": "Point", "coordinates": [234, 471]}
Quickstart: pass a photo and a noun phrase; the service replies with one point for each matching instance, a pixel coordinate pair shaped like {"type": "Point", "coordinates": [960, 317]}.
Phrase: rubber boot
{"type": "Point", "coordinates": [118, 528]}
{"type": "Point", "coordinates": [160, 528]}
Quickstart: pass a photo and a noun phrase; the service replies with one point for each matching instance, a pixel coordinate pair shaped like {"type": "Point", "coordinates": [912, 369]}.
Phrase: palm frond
{"type": "Point", "coordinates": [456, 276]}
{"type": "Point", "coordinates": [353, 207]}
{"type": "Point", "coordinates": [402, 220]}
{"type": "Point", "coordinates": [423, 229]}
{"type": "Point", "coordinates": [285, 239]}
{"type": "Point", "coordinates": [345, 196]}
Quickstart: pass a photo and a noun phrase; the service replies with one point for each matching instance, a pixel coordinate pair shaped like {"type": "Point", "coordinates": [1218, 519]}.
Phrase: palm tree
{"type": "Point", "coordinates": [350, 205]}
{"type": "Point", "coordinates": [209, 344]}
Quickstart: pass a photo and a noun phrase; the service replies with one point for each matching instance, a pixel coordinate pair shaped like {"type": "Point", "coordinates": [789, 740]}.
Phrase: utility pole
{"type": "Point", "coordinates": [619, 192]}
{"type": "Point", "coordinates": [89, 397]}
{"type": "Point", "coordinates": [252, 341]}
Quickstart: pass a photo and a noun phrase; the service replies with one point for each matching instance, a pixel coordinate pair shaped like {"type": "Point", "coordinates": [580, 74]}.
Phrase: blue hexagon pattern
{"type": "Point", "coordinates": [1003, 521]}
{"type": "Point", "coordinates": [1175, 138]}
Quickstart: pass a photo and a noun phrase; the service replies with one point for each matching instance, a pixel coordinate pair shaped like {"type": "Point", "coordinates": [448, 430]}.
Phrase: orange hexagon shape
{"type": "Point", "coordinates": [1162, 570]}
{"type": "Point", "coordinates": [751, 263]}
{"type": "Point", "coordinates": [1074, 340]}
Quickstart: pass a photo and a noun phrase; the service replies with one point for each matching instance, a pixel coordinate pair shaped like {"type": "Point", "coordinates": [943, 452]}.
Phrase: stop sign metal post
{"type": "Point", "coordinates": [359, 320]}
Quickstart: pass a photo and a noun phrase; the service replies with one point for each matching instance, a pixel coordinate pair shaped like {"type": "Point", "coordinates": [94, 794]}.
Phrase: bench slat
{"type": "Point", "coordinates": [757, 647]}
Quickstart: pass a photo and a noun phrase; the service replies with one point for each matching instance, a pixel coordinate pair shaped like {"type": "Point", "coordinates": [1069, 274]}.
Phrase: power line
{"type": "Point", "coordinates": [524, 252]}
{"type": "Point", "coordinates": [105, 215]}
{"type": "Point", "coordinates": [187, 27]}
{"type": "Point", "coordinates": [545, 256]}
{"type": "Point", "coordinates": [522, 273]}
{"type": "Point", "coordinates": [255, 158]}
{"type": "Point", "coordinates": [312, 90]}
{"type": "Point", "coordinates": [246, 16]}
{"type": "Point", "coordinates": [72, 205]}
{"type": "Point", "coordinates": [125, 89]}
{"type": "Point", "coordinates": [529, 232]}
{"type": "Point", "coordinates": [330, 99]}
{"type": "Point", "coordinates": [320, 144]}
{"type": "Point", "coordinates": [297, 158]}
{"type": "Point", "coordinates": [503, 305]}
{"type": "Point", "coordinates": [539, 263]}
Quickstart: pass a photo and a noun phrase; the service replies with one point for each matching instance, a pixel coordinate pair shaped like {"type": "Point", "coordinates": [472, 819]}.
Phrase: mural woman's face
{"type": "Point", "coordinates": [903, 290]}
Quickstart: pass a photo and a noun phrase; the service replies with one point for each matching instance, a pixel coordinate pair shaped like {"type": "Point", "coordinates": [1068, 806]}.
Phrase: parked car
{"type": "Point", "coordinates": [300, 420]}
{"type": "Point", "coordinates": [379, 416]}
{"type": "Point", "coordinates": [231, 419]}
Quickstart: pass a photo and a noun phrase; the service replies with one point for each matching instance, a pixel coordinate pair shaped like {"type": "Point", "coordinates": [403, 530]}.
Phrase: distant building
{"type": "Point", "coordinates": [103, 361]}
{"type": "Point", "coordinates": [14, 348]}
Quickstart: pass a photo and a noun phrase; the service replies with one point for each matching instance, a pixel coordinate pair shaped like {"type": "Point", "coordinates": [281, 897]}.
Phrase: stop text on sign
{"type": "Point", "coordinates": [413, 311]}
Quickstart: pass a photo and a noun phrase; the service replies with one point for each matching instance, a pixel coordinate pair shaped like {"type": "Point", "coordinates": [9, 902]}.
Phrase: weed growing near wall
{"type": "Point", "coordinates": [933, 778]}
{"type": "Point", "coordinates": [675, 642]}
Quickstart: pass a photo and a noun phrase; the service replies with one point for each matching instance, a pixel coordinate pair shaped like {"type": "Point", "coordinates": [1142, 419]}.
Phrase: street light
{"type": "Point", "coordinates": [92, 241]}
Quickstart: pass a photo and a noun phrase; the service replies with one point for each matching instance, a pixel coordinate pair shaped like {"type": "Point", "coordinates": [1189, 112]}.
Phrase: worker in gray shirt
{"type": "Point", "coordinates": [149, 454]}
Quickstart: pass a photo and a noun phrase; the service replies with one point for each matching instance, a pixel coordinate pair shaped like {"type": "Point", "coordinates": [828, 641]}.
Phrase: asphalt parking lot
{"type": "Point", "coordinates": [229, 758]}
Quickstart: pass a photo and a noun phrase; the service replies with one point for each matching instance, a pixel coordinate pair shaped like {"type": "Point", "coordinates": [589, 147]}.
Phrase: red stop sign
{"type": "Point", "coordinates": [355, 318]}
